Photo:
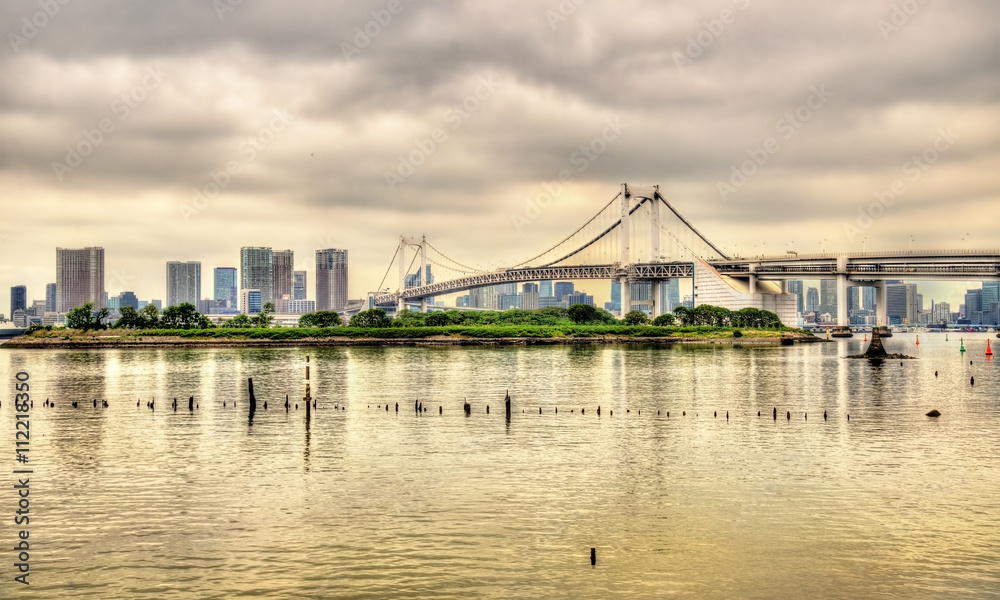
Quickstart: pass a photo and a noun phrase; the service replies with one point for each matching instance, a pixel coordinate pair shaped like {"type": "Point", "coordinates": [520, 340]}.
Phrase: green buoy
{"type": "Point", "coordinates": [962, 342]}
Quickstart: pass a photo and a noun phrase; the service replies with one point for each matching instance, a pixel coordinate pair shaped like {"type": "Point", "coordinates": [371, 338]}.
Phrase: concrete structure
{"type": "Point", "coordinates": [79, 277]}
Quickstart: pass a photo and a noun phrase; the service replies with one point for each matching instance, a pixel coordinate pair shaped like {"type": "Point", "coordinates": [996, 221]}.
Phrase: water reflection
{"type": "Point", "coordinates": [390, 504]}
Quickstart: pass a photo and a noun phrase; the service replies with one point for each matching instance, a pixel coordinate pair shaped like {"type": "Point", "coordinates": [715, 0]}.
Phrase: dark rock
{"type": "Point", "coordinates": [934, 413]}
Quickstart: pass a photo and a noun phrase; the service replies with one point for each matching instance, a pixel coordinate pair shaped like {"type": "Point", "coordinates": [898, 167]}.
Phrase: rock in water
{"type": "Point", "coordinates": [934, 413]}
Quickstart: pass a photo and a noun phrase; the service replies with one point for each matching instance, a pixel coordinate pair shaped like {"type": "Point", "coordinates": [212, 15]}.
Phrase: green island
{"type": "Point", "coordinates": [580, 323]}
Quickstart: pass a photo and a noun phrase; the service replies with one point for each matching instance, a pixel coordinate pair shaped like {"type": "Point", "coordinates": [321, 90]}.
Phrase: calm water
{"type": "Point", "coordinates": [364, 503]}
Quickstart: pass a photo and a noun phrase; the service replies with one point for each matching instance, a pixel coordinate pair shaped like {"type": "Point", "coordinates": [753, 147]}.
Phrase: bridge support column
{"type": "Point", "coordinates": [623, 232]}
{"type": "Point", "coordinates": [626, 295]}
{"type": "Point", "coordinates": [881, 305]}
{"type": "Point", "coordinates": [657, 294]}
{"type": "Point", "coordinates": [423, 305]}
{"type": "Point", "coordinates": [842, 319]}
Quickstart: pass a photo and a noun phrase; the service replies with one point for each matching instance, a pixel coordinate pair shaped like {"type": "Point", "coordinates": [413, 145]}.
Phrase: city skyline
{"type": "Point", "coordinates": [131, 141]}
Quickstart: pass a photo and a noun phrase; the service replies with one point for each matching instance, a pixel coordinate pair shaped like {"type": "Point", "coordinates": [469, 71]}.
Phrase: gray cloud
{"type": "Point", "coordinates": [323, 176]}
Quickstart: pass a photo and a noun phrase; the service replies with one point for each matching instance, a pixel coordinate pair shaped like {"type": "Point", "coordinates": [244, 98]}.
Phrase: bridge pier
{"type": "Point", "coordinates": [657, 294]}
{"type": "Point", "coordinates": [842, 319]}
{"type": "Point", "coordinates": [881, 306]}
{"type": "Point", "coordinates": [626, 295]}
{"type": "Point", "coordinates": [423, 305]}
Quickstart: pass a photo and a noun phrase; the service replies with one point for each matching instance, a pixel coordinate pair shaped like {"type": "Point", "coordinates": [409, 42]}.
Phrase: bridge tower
{"type": "Point", "coordinates": [421, 246]}
{"type": "Point", "coordinates": [623, 235]}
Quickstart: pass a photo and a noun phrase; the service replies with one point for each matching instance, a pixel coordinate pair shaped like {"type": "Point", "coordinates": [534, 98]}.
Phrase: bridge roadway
{"type": "Point", "coordinates": [862, 266]}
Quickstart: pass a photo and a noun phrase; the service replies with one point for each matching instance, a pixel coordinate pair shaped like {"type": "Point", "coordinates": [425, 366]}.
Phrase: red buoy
{"type": "Point", "coordinates": [989, 352]}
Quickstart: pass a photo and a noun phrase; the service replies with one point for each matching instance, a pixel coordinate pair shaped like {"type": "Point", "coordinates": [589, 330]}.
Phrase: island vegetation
{"type": "Point", "coordinates": [577, 321]}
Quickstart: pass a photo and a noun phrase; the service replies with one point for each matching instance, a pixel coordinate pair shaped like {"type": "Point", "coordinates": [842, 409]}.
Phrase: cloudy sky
{"type": "Point", "coordinates": [347, 124]}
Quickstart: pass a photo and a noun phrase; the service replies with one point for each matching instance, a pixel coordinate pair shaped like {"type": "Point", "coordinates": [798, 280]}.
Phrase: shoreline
{"type": "Point", "coordinates": [33, 343]}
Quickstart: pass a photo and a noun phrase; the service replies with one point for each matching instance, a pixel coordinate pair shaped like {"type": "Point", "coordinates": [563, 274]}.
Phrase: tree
{"type": "Point", "coordinates": [85, 318]}
{"type": "Point", "coordinates": [635, 317]}
{"type": "Point", "coordinates": [321, 318]}
{"type": "Point", "coordinates": [181, 316]}
{"type": "Point", "coordinates": [240, 321]}
{"type": "Point", "coordinates": [263, 318]}
{"type": "Point", "coordinates": [684, 315]}
{"type": "Point", "coordinates": [149, 316]}
{"type": "Point", "coordinates": [582, 313]}
{"type": "Point", "coordinates": [437, 319]}
{"type": "Point", "coordinates": [408, 318]}
{"type": "Point", "coordinates": [373, 317]}
{"type": "Point", "coordinates": [129, 319]}
{"type": "Point", "coordinates": [664, 320]}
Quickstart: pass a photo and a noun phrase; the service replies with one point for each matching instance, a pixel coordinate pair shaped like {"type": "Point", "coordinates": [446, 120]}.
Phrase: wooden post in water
{"type": "Point", "coordinates": [507, 404]}
{"type": "Point", "coordinates": [191, 403]}
{"type": "Point", "coordinates": [253, 399]}
{"type": "Point", "coordinates": [308, 398]}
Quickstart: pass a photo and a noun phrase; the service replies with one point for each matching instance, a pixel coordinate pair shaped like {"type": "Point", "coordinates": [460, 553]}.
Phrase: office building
{"type": "Point", "coordinates": [868, 298]}
{"type": "Point", "coordinates": [990, 303]}
{"type": "Point", "coordinates": [529, 296]}
{"type": "Point", "coordinates": [941, 313]}
{"type": "Point", "coordinates": [545, 287]}
{"type": "Point", "coordinates": [580, 298]}
{"type": "Point", "coordinates": [974, 306]}
{"type": "Point", "coordinates": [812, 300]}
{"type": "Point", "coordinates": [828, 296]}
{"type": "Point", "coordinates": [670, 295]}
{"type": "Point", "coordinates": [563, 289]}
{"type": "Point", "coordinates": [128, 299]}
{"type": "Point", "coordinates": [331, 279]}
{"type": "Point", "coordinates": [50, 297]}
{"type": "Point", "coordinates": [508, 301]}
{"type": "Point", "coordinates": [284, 266]}
{"type": "Point", "coordinates": [251, 301]}
{"type": "Point", "coordinates": [224, 284]}
{"type": "Point", "coordinates": [298, 285]}
{"type": "Point", "coordinates": [795, 287]}
{"type": "Point", "coordinates": [18, 298]}
{"type": "Point", "coordinates": [79, 277]}
{"type": "Point", "coordinates": [301, 307]}
{"type": "Point", "coordinates": [183, 283]}
{"type": "Point", "coordinates": [257, 272]}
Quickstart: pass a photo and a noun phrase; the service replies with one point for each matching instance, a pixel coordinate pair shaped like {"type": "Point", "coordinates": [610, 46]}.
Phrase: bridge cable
{"type": "Point", "coordinates": [521, 264]}
{"type": "Point", "coordinates": [689, 225]}
{"type": "Point", "coordinates": [470, 269]}
{"type": "Point", "coordinates": [591, 242]}
{"type": "Point", "coordinates": [379, 288]}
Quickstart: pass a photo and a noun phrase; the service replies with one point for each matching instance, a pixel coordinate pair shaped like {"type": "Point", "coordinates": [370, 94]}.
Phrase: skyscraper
{"type": "Point", "coordinates": [79, 277]}
{"type": "Point", "coordinates": [128, 299]}
{"type": "Point", "coordinates": [529, 296]}
{"type": "Point", "coordinates": [331, 279]}
{"type": "Point", "coordinates": [828, 296]}
{"type": "Point", "coordinates": [225, 287]}
{"type": "Point", "coordinates": [563, 289]}
{"type": "Point", "coordinates": [50, 297]}
{"type": "Point", "coordinates": [795, 287]}
{"type": "Point", "coordinates": [183, 282]}
{"type": "Point", "coordinates": [284, 265]}
{"type": "Point", "coordinates": [670, 295]}
{"type": "Point", "coordinates": [990, 302]}
{"type": "Point", "coordinates": [18, 298]}
{"type": "Point", "coordinates": [812, 300]}
{"type": "Point", "coordinates": [974, 306]}
{"type": "Point", "coordinates": [545, 287]}
{"type": "Point", "coordinates": [298, 285]}
{"type": "Point", "coordinates": [257, 272]}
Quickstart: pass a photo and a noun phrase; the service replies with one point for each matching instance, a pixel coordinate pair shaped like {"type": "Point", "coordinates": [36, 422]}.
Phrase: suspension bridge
{"type": "Point", "coordinates": [639, 237]}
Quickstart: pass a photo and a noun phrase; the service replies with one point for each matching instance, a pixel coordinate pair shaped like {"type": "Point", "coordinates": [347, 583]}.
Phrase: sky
{"type": "Point", "coordinates": [186, 130]}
